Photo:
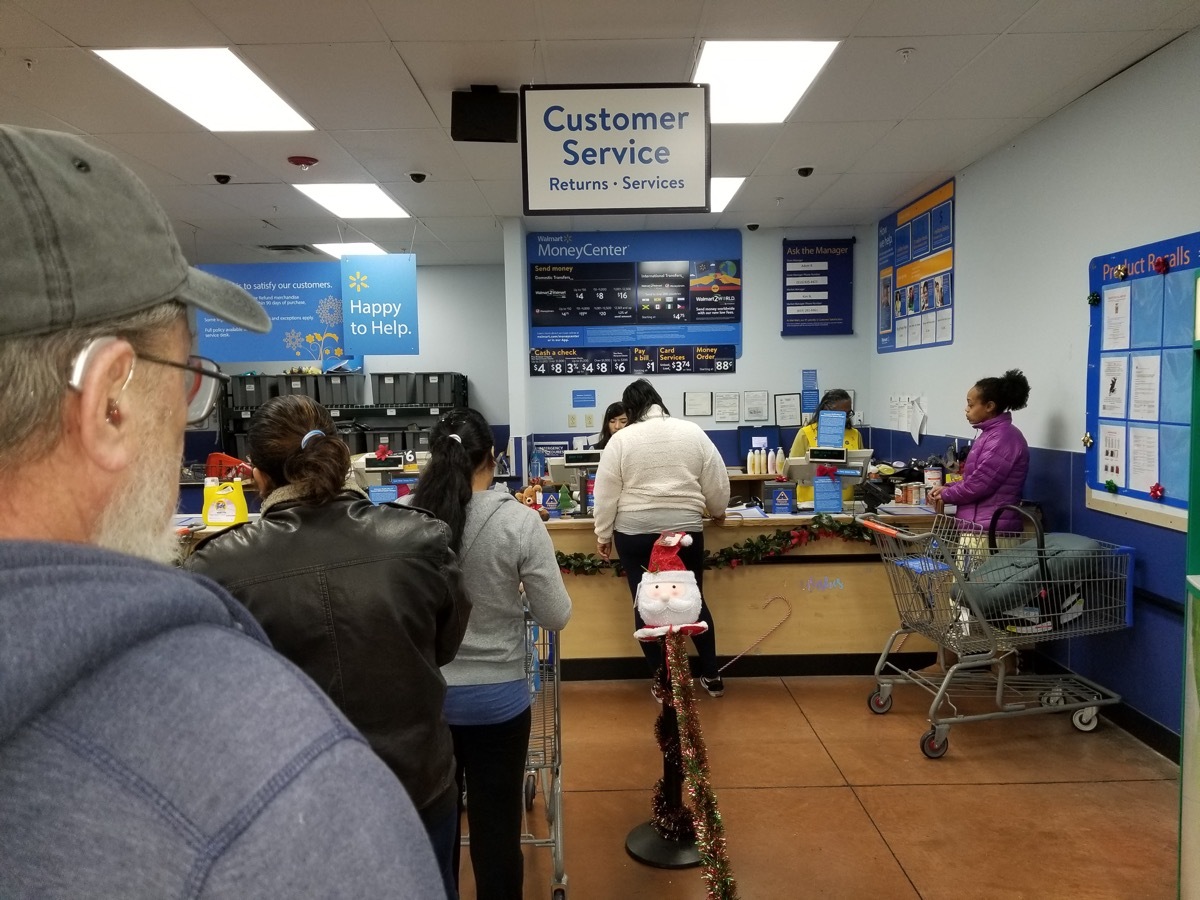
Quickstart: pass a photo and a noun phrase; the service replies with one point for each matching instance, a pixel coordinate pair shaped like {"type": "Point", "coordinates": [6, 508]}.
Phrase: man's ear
{"type": "Point", "coordinates": [104, 437]}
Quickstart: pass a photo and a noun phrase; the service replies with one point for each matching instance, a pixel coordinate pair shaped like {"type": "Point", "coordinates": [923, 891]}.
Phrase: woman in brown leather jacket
{"type": "Point", "coordinates": [367, 600]}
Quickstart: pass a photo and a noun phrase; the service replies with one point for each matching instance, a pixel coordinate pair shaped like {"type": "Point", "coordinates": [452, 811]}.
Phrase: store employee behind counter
{"type": "Point", "coordinates": [834, 399]}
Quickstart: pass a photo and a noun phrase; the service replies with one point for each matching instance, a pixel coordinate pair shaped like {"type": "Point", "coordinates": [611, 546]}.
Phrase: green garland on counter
{"type": "Point", "coordinates": [750, 550]}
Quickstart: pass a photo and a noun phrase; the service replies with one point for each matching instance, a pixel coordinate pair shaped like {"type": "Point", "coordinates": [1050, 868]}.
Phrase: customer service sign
{"type": "Point", "coordinates": [615, 148]}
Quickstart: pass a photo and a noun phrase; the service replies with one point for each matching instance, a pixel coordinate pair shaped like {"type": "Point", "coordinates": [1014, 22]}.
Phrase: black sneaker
{"type": "Point", "coordinates": [714, 686]}
{"type": "Point", "coordinates": [656, 692]}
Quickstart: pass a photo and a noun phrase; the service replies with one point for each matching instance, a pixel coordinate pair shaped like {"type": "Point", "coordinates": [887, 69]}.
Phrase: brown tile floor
{"type": "Point", "coordinates": [821, 798]}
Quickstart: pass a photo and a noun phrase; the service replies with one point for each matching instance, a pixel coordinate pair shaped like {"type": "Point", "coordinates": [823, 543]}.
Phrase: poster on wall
{"type": "Point", "coordinates": [818, 287]}
{"type": "Point", "coordinates": [624, 302]}
{"type": "Point", "coordinates": [615, 148]}
{"type": "Point", "coordinates": [916, 274]}
{"type": "Point", "coordinates": [321, 312]}
{"type": "Point", "coordinates": [1139, 388]}
{"type": "Point", "coordinates": [304, 303]}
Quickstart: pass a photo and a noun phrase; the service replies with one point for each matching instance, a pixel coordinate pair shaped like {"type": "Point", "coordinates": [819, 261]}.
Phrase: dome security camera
{"type": "Point", "coordinates": [418, 177]}
{"type": "Point", "coordinates": [804, 171]}
{"type": "Point", "coordinates": [752, 226]}
{"type": "Point", "coordinates": [222, 178]}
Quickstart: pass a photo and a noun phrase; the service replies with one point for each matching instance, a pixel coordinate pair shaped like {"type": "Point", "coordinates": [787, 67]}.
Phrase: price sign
{"type": "Point", "coordinates": [674, 360]}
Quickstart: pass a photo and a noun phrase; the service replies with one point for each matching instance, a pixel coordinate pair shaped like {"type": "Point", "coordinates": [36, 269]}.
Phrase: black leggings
{"type": "Point", "coordinates": [634, 553]}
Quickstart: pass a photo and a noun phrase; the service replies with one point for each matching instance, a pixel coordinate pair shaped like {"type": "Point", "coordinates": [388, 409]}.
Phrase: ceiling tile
{"type": "Point", "coordinates": [488, 161]}
{"type": "Point", "coordinates": [919, 145]}
{"type": "Point", "coordinates": [865, 190]}
{"type": "Point", "coordinates": [888, 17]}
{"type": "Point", "coordinates": [764, 194]}
{"type": "Point", "coordinates": [439, 198]}
{"type": "Point", "coordinates": [796, 20]}
{"type": "Point", "coordinates": [344, 86]}
{"type": "Point", "coordinates": [292, 21]}
{"type": "Point", "coordinates": [504, 198]}
{"type": "Point", "coordinates": [136, 23]}
{"type": "Point", "coordinates": [473, 228]}
{"type": "Point", "coordinates": [617, 61]}
{"type": "Point", "coordinates": [826, 146]}
{"type": "Point", "coordinates": [613, 19]}
{"type": "Point", "coordinates": [463, 20]}
{"type": "Point", "coordinates": [78, 87]}
{"type": "Point", "coordinates": [21, 29]}
{"type": "Point", "coordinates": [15, 111]}
{"type": "Point", "coordinates": [392, 155]}
{"type": "Point", "coordinates": [191, 157]}
{"type": "Point", "coordinates": [868, 79]}
{"type": "Point", "coordinates": [1056, 16]}
{"type": "Point", "coordinates": [826, 218]}
{"type": "Point", "coordinates": [442, 67]}
{"type": "Point", "coordinates": [1016, 72]}
{"type": "Point", "coordinates": [737, 150]}
{"type": "Point", "coordinates": [271, 150]}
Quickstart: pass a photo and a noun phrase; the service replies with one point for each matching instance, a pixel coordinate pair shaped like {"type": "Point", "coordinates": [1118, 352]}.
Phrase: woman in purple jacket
{"type": "Point", "coordinates": [994, 473]}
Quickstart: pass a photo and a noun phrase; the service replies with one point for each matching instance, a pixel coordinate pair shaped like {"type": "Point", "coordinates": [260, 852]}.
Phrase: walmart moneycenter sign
{"type": "Point", "coordinates": [615, 148]}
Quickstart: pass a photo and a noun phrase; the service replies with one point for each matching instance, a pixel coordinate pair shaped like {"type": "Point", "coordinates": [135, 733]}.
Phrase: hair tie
{"type": "Point", "coordinates": [316, 432]}
{"type": "Point", "coordinates": [455, 437]}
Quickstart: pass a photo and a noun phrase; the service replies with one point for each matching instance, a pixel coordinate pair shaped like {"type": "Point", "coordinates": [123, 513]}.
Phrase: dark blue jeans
{"type": "Point", "coordinates": [634, 553]}
{"type": "Point", "coordinates": [491, 765]}
{"type": "Point", "coordinates": [441, 822]}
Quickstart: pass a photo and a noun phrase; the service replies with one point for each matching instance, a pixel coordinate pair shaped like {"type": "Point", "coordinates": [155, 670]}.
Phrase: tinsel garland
{"type": "Point", "coordinates": [764, 546]}
{"type": "Point", "coordinates": [706, 816]}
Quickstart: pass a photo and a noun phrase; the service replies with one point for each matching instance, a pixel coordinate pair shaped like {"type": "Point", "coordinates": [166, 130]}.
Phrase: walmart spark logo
{"type": "Point", "coordinates": [358, 282]}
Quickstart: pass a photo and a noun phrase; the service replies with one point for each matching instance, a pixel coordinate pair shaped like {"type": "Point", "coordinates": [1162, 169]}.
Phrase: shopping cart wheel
{"type": "Point", "coordinates": [1053, 697]}
{"type": "Point", "coordinates": [560, 894]}
{"type": "Point", "coordinates": [879, 703]}
{"type": "Point", "coordinates": [1086, 719]}
{"type": "Point", "coordinates": [930, 746]}
{"type": "Point", "coordinates": [530, 790]}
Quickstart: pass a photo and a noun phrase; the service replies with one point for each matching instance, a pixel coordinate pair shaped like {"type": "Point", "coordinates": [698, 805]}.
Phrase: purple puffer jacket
{"type": "Point", "coordinates": [993, 475]}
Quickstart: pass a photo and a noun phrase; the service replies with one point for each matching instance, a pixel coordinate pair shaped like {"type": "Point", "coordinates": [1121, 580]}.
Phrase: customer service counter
{"type": "Point", "coordinates": [839, 593]}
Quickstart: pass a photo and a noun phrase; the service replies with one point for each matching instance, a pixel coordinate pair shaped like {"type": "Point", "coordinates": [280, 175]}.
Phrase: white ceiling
{"type": "Point", "coordinates": [375, 78]}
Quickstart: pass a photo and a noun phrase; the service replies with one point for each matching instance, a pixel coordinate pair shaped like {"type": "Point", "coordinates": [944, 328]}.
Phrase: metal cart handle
{"type": "Point", "coordinates": [872, 523]}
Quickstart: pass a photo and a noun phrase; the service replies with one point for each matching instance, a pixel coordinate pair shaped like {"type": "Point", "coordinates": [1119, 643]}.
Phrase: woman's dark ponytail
{"type": "Point", "coordinates": [459, 444]}
{"type": "Point", "coordinates": [277, 432]}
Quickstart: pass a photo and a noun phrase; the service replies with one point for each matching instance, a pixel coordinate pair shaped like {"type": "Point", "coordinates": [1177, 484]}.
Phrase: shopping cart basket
{"type": "Point", "coordinates": [946, 583]}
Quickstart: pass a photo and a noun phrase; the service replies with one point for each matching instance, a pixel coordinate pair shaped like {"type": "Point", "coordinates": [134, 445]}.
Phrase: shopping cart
{"type": "Point", "coordinates": [951, 588]}
{"type": "Point", "coordinates": [544, 763]}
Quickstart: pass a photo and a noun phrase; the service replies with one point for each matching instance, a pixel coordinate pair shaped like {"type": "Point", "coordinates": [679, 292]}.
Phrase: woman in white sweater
{"type": "Point", "coordinates": [502, 546]}
{"type": "Point", "coordinates": [660, 474]}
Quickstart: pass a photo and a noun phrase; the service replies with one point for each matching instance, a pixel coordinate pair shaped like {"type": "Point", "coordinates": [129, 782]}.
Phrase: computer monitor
{"type": "Point", "coordinates": [558, 471]}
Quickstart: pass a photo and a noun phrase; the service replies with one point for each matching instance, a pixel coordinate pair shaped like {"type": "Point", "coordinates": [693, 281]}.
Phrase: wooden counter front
{"type": "Point", "coordinates": [839, 592]}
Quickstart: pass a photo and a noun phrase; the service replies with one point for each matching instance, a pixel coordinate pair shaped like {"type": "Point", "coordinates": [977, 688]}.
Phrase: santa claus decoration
{"type": "Point", "coordinates": [668, 598]}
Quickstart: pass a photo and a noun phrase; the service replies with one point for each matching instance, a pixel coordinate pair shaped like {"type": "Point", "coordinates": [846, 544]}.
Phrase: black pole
{"type": "Point", "coordinates": [644, 843]}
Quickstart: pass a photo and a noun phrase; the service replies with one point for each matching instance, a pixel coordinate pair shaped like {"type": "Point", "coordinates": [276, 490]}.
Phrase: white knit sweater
{"type": "Point", "coordinates": [659, 462]}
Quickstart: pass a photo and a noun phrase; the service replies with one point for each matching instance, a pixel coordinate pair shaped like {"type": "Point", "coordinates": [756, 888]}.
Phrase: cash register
{"type": "Point", "coordinates": [574, 469]}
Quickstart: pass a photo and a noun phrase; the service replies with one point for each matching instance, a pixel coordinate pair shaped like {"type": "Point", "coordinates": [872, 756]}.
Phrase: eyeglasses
{"type": "Point", "coordinates": [203, 390]}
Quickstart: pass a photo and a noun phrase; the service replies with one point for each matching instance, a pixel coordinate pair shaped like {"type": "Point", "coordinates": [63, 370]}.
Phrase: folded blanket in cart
{"type": "Point", "coordinates": [1031, 589]}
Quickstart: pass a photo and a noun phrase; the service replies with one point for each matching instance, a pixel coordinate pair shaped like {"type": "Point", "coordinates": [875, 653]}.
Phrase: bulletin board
{"type": "Point", "coordinates": [1139, 388]}
{"type": "Point", "coordinates": [916, 274]}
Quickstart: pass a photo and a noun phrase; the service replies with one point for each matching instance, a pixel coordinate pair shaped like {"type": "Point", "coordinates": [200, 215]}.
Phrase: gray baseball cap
{"type": "Point", "coordinates": [82, 240]}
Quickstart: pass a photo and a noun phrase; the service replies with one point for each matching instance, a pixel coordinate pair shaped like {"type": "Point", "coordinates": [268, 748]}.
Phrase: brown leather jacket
{"type": "Point", "coordinates": [368, 601]}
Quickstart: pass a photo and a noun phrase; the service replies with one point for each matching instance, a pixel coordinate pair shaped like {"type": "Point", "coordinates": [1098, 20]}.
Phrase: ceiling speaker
{"type": "Point", "coordinates": [483, 114]}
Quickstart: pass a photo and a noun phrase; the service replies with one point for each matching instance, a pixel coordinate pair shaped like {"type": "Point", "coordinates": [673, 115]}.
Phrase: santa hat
{"type": "Point", "coordinates": [665, 564]}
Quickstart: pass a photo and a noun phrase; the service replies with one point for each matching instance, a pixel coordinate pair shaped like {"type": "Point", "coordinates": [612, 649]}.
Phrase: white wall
{"type": "Point", "coordinates": [461, 319]}
{"type": "Point", "coordinates": [1114, 170]}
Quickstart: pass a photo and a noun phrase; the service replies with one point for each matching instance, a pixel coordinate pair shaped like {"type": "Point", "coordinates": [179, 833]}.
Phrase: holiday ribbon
{"type": "Point", "coordinates": [1157, 491]}
{"type": "Point", "coordinates": [831, 471]}
{"type": "Point", "coordinates": [1161, 266]}
{"type": "Point", "coordinates": [382, 452]}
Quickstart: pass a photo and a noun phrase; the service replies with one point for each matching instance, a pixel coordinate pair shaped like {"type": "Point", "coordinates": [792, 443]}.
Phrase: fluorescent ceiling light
{"type": "Point", "coordinates": [337, 251]}
{"type": "Point", "coordinates": [210, 85]}
{"type": "Point", "coordinates": [758, 81]}
{"type": "Point", "coordinates": [354, 201]}
{"type": "Point", "coordinates": [721, 191]}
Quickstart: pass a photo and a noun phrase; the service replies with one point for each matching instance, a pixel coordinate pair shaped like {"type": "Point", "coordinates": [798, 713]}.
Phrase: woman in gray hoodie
{"type": "Point", "coordinates": [502, 546]}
